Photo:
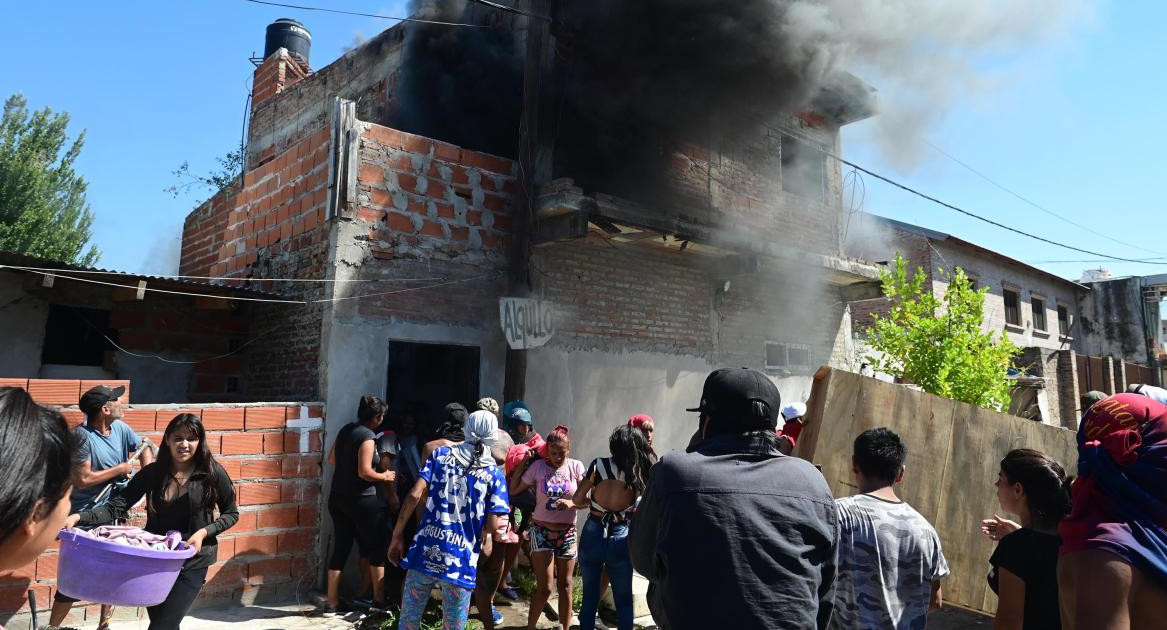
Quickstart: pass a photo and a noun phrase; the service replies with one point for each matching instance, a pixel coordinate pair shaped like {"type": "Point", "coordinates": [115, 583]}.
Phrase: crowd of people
{"type": "Point", "coordinates": [731, 532]}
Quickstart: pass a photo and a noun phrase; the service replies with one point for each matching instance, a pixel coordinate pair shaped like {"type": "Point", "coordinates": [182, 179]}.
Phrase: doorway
{"type": "Point", "coordinates": [424, 377]}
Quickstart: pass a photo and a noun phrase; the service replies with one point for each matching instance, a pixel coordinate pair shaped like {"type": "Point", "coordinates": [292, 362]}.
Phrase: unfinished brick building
{"type": "Point", "coordinates": [737, 262]}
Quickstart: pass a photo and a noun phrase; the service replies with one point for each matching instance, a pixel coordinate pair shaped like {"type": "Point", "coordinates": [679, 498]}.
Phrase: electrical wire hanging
{"type": "Point", "coordinates": [813, 145]}
{"type": "Point", "coordinates": [1035, 204]}
{"type": "Point", "coordinates": [235, 278]}
{"type": "Point", "coordinates": [266, 300]}
{"type": "Point", "coordinates": [370, 15]}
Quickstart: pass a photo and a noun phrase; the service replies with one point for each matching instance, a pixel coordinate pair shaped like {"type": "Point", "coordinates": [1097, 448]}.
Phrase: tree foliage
{"type": "Point", "coordinates": [941, 345]}
{"type": "Point", "coordinates": [43, 210]}
{"type": "Point", "coordinates": [227, 174]}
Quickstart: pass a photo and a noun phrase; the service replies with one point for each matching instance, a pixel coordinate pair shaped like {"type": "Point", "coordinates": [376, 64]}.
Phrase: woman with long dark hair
{"type": "Point", "coordinates": [1024, 574]}
{"type": "Point", "coordinates": [37, 455]}
{"type": "Point", "coordinates": [357, 513]}
{"type": "Point", "coordinates": [183, 488]}
{"type": "Point", "coordinates": [610, 488]}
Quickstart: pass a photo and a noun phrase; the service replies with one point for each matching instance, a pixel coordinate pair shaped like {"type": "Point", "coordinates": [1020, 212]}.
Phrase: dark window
{"type": "Point", "coordinates": [1038, 306]}
{"type": "Point", "coordinates": [781, 356]}
{"type": "Point", "coordinates": [424, 377]}
{"type": "Point", "coordinates": [76, 336]}
{"type": "Point", "coordinates": [1012, 307]}
{"type": "Point", "coordinates": [1063, 320]}
{"type": "Point", "coordinates": [804, 169]}
{"type": "Point", "coordinates": [775, 354]}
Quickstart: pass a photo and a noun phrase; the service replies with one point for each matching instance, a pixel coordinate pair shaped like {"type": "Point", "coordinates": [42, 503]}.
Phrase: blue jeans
{"type": "Point", "coordinates": [596, 553]}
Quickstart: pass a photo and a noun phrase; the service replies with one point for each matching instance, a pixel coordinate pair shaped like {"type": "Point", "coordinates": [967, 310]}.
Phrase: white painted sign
{"type": "Point", "coordinates": [526, 322]}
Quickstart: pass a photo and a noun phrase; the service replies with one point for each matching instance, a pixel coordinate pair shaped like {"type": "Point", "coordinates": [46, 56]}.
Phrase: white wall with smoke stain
{"type": "Point", "coordinates": [594, 392]}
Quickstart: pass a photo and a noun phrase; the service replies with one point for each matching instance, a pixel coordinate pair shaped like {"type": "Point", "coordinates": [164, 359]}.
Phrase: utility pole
{"type": "Point", "coordinates": [534, 169]}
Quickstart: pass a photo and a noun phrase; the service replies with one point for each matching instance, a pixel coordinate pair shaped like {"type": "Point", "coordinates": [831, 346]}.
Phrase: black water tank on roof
{"type": "Point", "coordinates": [290, 34]}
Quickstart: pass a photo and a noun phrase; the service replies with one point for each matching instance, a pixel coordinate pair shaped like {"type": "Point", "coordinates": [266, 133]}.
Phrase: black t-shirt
{"type": "Point", "coordinates": [346, 482]}
{"type": "Point", "coordinates": [1033, 557]}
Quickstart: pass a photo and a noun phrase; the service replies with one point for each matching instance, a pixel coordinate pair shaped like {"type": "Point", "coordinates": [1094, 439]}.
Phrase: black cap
{"type": "Point", "coordinates": [93, 400]}
{"type": "Point", "coordinates": [741, 396]}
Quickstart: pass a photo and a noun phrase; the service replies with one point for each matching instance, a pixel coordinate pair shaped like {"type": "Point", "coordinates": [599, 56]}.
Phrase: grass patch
{"type": "Point", "coordinates": [431, 620]}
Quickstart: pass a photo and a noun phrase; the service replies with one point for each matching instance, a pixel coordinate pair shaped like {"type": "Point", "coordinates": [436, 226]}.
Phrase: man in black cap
{"type": "Point", "coordinates": [107, 448]}
{"type": "Point", "coordinates": [732, 533]}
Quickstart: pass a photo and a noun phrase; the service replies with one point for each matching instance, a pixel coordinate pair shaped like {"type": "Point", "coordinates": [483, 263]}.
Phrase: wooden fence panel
{"type": "Point", "coordinates": [954, 453]}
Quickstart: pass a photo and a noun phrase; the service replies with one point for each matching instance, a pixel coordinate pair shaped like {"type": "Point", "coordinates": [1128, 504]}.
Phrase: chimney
{"type": "Point", "coordinates": [285, 60]}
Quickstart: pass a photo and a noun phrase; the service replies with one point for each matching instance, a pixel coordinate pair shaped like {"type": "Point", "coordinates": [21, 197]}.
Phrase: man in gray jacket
{"type": "Point", "coordinates": [731, 533]}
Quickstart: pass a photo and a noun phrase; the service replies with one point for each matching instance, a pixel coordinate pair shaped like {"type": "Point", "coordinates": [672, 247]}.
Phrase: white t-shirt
{"type": "Point", "coordinates": [889, 556]}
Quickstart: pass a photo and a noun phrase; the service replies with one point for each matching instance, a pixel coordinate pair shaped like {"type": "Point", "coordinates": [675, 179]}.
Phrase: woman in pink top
{"type": "Point", "coordinates": [552, 532]}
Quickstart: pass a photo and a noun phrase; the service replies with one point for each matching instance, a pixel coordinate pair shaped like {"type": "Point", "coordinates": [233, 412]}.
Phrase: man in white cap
{"type": "Point", "coordinates": [788, 435]}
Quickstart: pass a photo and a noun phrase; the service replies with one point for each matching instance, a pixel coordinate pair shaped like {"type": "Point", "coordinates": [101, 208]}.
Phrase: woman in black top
{"type": "Point", "coordinates": [1024, 573]}
{"type": "Point", "coordinates": [357, 512]}
{"type": "Point", "coordinates": [182, 489]}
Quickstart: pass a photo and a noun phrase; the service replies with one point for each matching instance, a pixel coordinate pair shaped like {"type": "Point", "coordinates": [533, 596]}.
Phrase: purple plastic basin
{"type": "Point", "coordinates": [103, 572]}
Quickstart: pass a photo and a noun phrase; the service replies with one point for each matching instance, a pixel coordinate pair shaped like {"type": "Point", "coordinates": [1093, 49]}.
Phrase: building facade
{"type": "Point", "coordinates": [1037, 310]}
{"type": "Point", "coordinates": [730, 263]}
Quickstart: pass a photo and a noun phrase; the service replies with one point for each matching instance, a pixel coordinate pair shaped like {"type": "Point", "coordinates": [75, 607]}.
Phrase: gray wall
{"type": "Point", "coordinates": [22, 317]}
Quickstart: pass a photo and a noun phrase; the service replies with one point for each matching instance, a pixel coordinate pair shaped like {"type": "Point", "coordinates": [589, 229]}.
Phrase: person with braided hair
{"type": "Point", "coordinates": [463, 492]}
{"type": "Point", "coordinates": [609, 489]}
{"type": "Point", "coordinates": [1024, 566]}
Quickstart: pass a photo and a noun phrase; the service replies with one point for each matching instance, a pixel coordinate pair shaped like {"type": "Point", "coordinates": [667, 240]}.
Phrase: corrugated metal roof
{"type": "Point", "coordinates": [31, 264]}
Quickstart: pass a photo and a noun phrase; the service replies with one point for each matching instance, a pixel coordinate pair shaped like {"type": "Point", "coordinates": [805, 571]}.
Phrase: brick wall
{"type": "Point", "coordinates": [274, 75]}
{"type": "Point", "coordinates": [428, 209]}
{"type": "Point", "coordinates": [172, 329]}
{"type": "Point", "coordinates": [1067, 386]}
{"type": "Point", "coordinates": [269, 554]}
{"type": "Point", "coordinates": [272, 225]}
{"type": "Point", "coordinates": [276, 210]}
{"type": "Point", "coordinates": [366, 75]}
{"type": "Point", "coordinates": [429, 199]}
{"type": "Point", "coordinates": [740, 189]}
{"type": "Point", "coordinates": [630, 293]}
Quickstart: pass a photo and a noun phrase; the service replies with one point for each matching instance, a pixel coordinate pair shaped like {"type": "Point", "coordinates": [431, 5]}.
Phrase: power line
{"type": "Point", "coordinates": [267, 300]}
{"type": "Point", "coordinates": [371, 15]}
{"type": "Point", "coordinates": [1095, 260]}
{"type": "Point", "coordinates": [236, 278]}
{"type": "Point", "coordinates": [815, 146]}
{"type": "Point", "coordinates": [1033, 203]}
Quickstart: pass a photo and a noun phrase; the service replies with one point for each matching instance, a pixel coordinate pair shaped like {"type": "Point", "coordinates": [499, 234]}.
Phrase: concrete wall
{"type": "Point", "coordinates": [593, 392]}
{"type": "Point", "coordinates": [190, 337]}
{"type": "Point", "coordinates": [23, 316]}
{"type": "Point", "coordinates": [1114, 322]}
{"type": "Point", "coordinates": [996, 274]}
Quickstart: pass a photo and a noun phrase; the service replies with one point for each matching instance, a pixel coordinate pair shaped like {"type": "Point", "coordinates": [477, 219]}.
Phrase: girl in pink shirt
{"type": "Point", "coordinates": [552, 533]}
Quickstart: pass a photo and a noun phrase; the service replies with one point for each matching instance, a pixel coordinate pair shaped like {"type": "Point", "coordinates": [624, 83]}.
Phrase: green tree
{"type": "Point", "coordinates": [226, 175]}
{"type": "Point", "coordinates": [43, 211]}
{"type": "Point", "coordinates": [941, 345]}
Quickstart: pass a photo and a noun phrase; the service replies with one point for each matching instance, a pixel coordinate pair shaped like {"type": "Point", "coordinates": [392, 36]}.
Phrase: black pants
{"type": "Point", "coordinates": [170, 613]}
{"type": "Point", "coordinates": [360, 518]}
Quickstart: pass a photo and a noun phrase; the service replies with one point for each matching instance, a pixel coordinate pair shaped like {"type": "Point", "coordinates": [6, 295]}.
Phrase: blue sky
{"type": "Point", "coordinates": [1074, 125]}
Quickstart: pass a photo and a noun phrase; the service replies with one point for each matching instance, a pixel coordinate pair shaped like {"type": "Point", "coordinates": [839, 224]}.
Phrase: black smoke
{"type": "Point", "coordinates": [462, 85]}
{"type": "Point", "coordinates": [632, 80]}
